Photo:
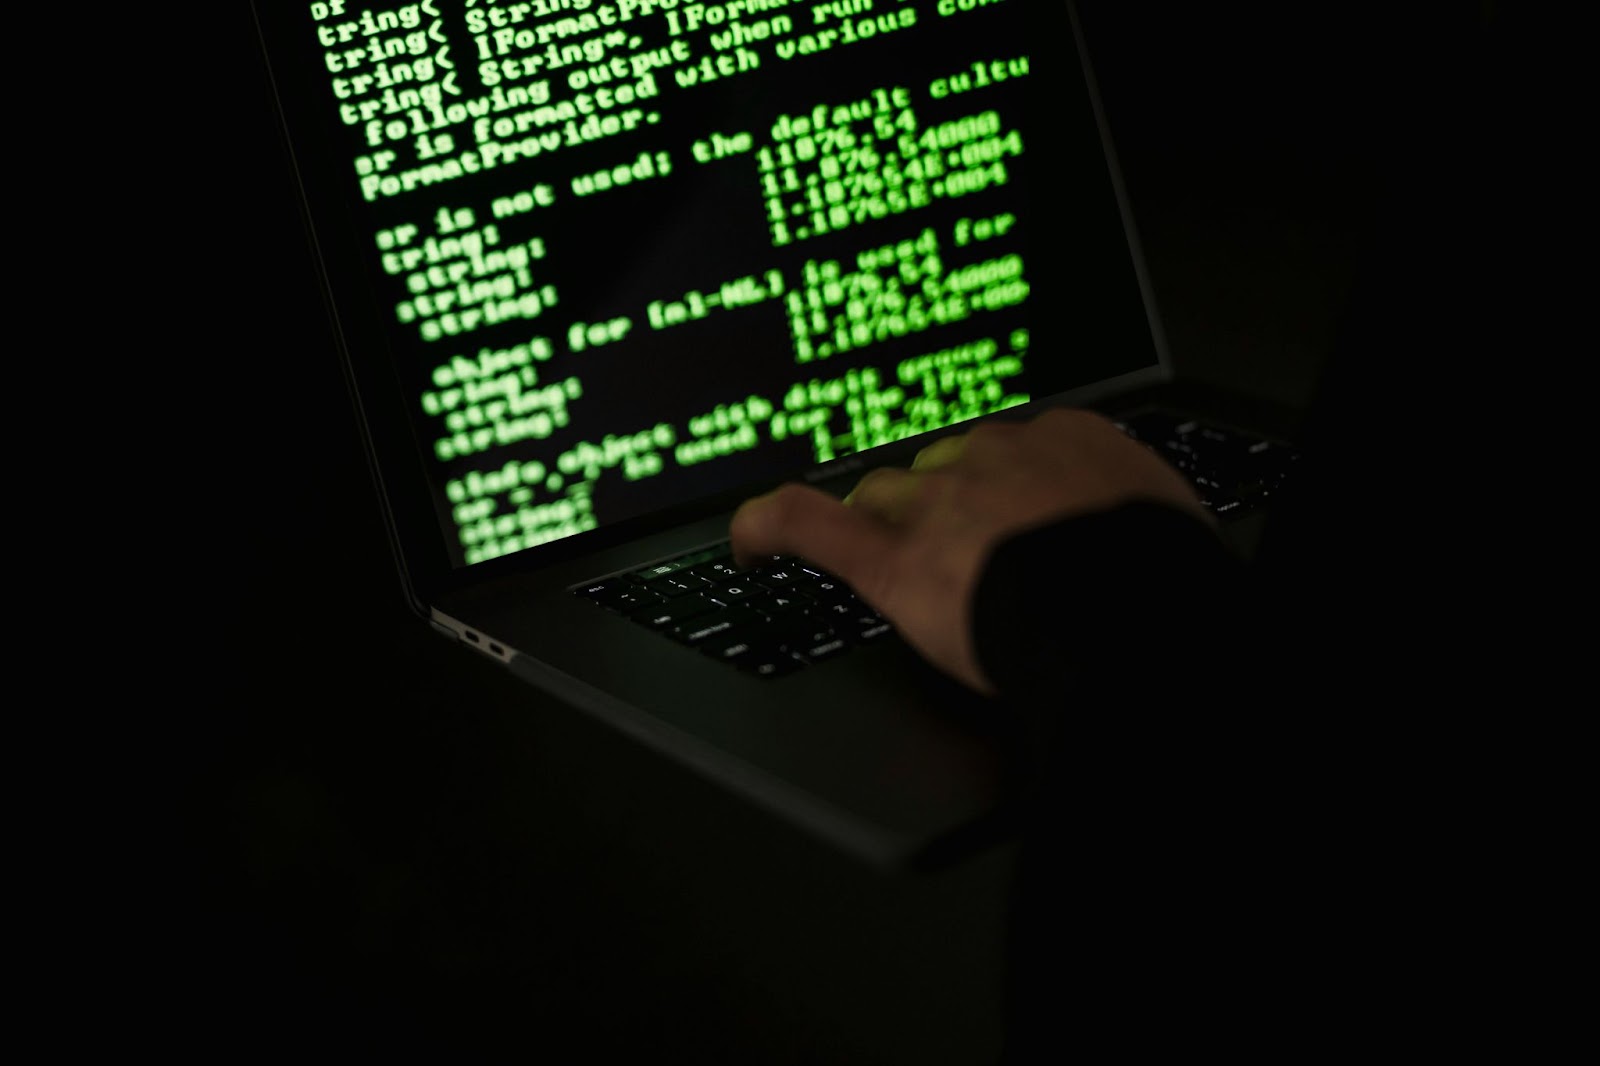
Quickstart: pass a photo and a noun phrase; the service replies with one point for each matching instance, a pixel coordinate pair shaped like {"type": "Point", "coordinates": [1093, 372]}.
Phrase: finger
{"type": "Point", "coordinates": [1079, 420]}
{"type": "Point", "coordinates": [941, 453]}
{"type": "Point", "coordinates": [800, 520]}
{"type": "Point", "coordinates": [888, 494]}
{"type": "Point", "coordinates": [991, 445]}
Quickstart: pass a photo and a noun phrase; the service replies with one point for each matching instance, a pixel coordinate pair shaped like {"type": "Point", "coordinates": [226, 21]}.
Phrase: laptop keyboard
{"type": "Point", "coordinates": [786, 614]}
{"type": "Point", "coordinates": [771, 619]}
{"type": "Point", "coordinates": [1233, 472]}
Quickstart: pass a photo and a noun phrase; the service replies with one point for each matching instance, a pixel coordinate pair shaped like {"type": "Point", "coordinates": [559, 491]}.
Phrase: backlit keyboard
{"type": "Point", "coordinates": [771, 619]}
{"type": "Point", "coordinates": [785, 614]}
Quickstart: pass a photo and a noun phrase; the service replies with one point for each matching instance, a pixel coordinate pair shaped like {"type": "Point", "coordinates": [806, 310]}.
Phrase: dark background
{"type": "Point", "coordinates": [384, 845]}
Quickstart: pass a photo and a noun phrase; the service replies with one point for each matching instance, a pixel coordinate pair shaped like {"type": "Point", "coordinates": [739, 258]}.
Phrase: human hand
{"type": "Point", "coordinates": [913, 543]}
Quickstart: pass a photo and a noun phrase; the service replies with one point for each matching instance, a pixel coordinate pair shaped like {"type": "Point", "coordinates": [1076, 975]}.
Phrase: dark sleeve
{"type": "Point", "coordinates": [1096, 629]}
{"type": "Point", "coordinates": [1125, 643]}
{"type": "Point", "coordinates": [1240, 817]}
{"type": "Point", "coordinates": [1112, 591]}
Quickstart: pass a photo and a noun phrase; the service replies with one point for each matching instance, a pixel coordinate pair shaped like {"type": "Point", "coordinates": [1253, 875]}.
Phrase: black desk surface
{"type": "Point", "coordinates": [396, 847]}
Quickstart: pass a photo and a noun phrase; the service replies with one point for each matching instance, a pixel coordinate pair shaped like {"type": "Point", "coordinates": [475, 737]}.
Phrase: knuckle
{"type": "Point", "coordinates": [882, 477]}
{"type": "Point", "coordinates": [991, 434]}
{"type": "Point", "coordinates": [953, 442]}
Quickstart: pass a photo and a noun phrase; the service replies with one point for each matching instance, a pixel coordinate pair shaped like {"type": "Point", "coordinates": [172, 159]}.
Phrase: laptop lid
{"type": "Point", "coordinates": [602, 267]}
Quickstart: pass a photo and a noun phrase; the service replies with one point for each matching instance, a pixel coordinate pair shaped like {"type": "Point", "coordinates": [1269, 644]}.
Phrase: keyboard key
{"type": "Point", "coordinates": [874, 631]}
{"type": "Point", "coordinates": [778, 604]}
{"type": "Point", "coordinates": [861, 618]}
{"type": "Point", "coordinates": [731, 649]}
{"type": "Point", "coordinates": [607, 591]}
{"type": "Point", "coordinates": [670, 613]}
{"type": "Point", "coordinates": [733, 592]}
{"type": "Point", "coordinates": [769, 663]}
{"type": "Point", "coordinates": [831, 591]}
{"type": "Point", "coordinates": [825, 650]}
{"type": "Point", "coordinates": [637, 596]}
{"type": "Point", "coordinates": [657, 572]}
{"type": "Point", "coordinates": [773, 576]}
{"type": "Point", "coordinates": [801, 632]}
{"type": "Point", "coordinates": [682, 581]}
{"type": "Point", "coordinates": [720, 623]}
{"type": "Point", "coordinates": [711, 573]}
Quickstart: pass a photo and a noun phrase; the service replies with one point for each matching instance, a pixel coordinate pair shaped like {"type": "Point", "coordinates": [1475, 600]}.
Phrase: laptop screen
{"type": "Point", "coordinates": [621, 254]}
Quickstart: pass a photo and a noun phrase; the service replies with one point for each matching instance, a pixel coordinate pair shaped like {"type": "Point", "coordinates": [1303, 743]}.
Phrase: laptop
{"type": "Point", "coordinates": [602, 269]}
